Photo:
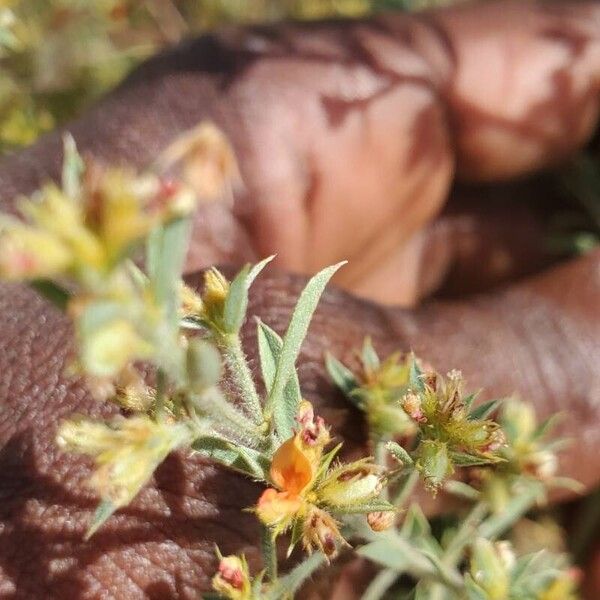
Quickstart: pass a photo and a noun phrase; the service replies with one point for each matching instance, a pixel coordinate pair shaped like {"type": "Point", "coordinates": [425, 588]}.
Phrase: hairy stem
{"type": "Point", "coordinates": [231, 347]}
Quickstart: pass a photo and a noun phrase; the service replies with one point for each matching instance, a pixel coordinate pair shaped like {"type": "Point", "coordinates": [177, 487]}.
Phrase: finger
{"type": "Point", "coordinates": [164, 540]}
{"type": "Point", "coordinates": [485, 236]}
{"type": "Point", "coordinates": [348, 134]}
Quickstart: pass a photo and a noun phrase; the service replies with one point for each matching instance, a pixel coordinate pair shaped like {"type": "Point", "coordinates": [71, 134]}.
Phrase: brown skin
{"type": "Point", "coordinates": [349, 136]}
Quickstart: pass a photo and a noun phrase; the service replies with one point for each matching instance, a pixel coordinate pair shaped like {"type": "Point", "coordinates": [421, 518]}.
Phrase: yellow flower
{"type": "Point", "coordinates": [232, 579]}
{"type": "Point", "coordinates": [126, 451]}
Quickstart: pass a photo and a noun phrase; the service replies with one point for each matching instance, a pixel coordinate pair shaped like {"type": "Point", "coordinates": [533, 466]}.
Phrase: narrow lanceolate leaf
{"type": "Point", "coordinates": [104, 510]}
{"type": "Point", "coordinates": [52, 292]}
{"type": "Point", "coordinates": [296, 332]}
{"type": "Point", "coordinates": [369, 355]}
{"type": "Point", "coordinates": [398, 554]}
{"type": "Point", "coordinates": [415, 376]}
{"type": "Point", "coordinates": [284, 413]}
{"type": "Point", "coordinates": [165, 254]}
{"type": "Point", "coordinates": [341, 376]}
{"type": "Point", "coordinates": [288, 585]}
{"type": "Point", "coordinates": [72, 167]}
{"type": "Point", "coordinates": [246, 460]}
{"type": "Point", "coordinates": [361, 508]}
{"type": "Point", "coordinates": [236, 302]}
{"type": "Point", "coordinates": [484, 410]}
{"type": "Point", "coordinates": [399, 453]}
{"type": "Point", "coordinates": [462, 459]}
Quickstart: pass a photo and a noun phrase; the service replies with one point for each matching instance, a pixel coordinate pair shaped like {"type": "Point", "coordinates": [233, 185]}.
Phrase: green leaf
{"type": "Point", "coordinates": [342, 377]}
{"type": "Point", "coordinates": [524, 500]}
{"type": "Point", "coordinates": [462, 459]}
{"type": "Point", "coordinates": [415, 376]}
{"type": "Point", "coordinates": [240, 458]}
{"type": "Point", "coordinates": [269, 349]}
{"type": "Point", "coordinates": [287, 586]}
{"type": "Point", "coordinates": [484, 410]}
{"type": "Point", "coordinates": [394, 552]}
{"type": "Point", "coordinates": [369, 356]}
{"type": "Point", "coordinates": [166, 249]}
{"type": "Point", "coordinates": [326, 462]}
{"type": "Point", "coordinates": [296, 535]}
{"type": "Point", "coordinates": [380, 584]}
{"type": "Point", "coordinates": [296, 332]}
{"type": "Point", "coordinates": [546, 426]}
{"type": "Point", "coordinates": [415, 526]}
{"type": "Point", "coordinates": [52, 292]}
{"type": "Point", "coordinates": [72, 168]}
{"type": "Point", "coordinates": [461, 489]}
{"type": "Point", "coordinates": [399, 453]}
{"type": "Point", "coordinates": [102, 513]}
{"type": "Point", "coordinates": [236, 303]}
{"type": "Point", "coordinates": [470, 399]}
{"type": "Point", "coordinates": [373, 505]}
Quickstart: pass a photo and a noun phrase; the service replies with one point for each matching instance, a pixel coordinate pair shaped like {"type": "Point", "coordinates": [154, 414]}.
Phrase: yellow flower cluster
{"type": "Point", "coordinates": [126, 451]}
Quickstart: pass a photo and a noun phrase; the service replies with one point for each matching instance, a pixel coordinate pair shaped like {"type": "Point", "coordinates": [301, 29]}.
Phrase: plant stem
{"type": "Point", "coordinates": [381, 458]}
{"type": "Point", "coordinates": [231, 346]}
{"type": "Point", "coordinates": [466, 532]}
{"type": "Point", "coordinates": [269, 553]}
{"type": "Point", "coordinates": [407, 488]}
{"type": "Point", "coordinates": [161, 387]}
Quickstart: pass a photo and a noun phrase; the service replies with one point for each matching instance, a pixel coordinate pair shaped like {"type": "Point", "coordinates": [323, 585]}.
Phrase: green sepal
{"type": "Point", "coordinates": [399, 453]}
{"type": "Point", "coordinates": [484, 410]}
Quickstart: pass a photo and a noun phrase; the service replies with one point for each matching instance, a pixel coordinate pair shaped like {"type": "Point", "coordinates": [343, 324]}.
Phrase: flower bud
{"type": "Point", "coordinates": [352, 484]}
{"type": "Point", "coordinates": [321, 532]}
{"type": "Point", "coordinates": [488, 570]}
{"type": "Point", "coordinates": [381, 520]}
{"type": "Point", "coordinates": [434, 463]}
{"type": "Point", "coordinates": [541, 465]}
{"type": "Point", "coordinates": [203, 365]}
{"type": "Point", "coordinates": [313, 431]}
{"type": "Point", "coordinates": [411, 403]}
{"type": "Point", "coordinates": [216, 288]}
{"type": "Point", "coordinates": [232, 579]}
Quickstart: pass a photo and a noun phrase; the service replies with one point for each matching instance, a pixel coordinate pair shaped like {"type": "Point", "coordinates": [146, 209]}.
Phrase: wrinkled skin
{"type": "Point", "coordinates": [349, 137]}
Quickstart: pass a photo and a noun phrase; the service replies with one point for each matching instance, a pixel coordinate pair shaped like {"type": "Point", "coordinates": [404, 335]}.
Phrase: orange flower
{"type": "Point", "coordinates": [277, 509]}
{"type": "Point", "coordinates": [291, 469]}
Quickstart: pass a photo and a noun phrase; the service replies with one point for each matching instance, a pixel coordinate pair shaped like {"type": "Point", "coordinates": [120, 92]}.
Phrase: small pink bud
{"type": "Point", "coordinates": [381, 520]}
{"type": "Point", "coordinates": [411, 403]}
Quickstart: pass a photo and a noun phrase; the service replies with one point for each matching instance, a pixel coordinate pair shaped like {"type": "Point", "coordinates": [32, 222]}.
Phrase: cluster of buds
{"type": "Point", "coordinates": [527, 451]}
{"type": "Point", "coordinates": [377, 389]}
{"type": "Point", "coordinates": [85, 228]}
{"type": "Point", "coordinates": [307, 489]}
{"type": "Point", "coordinates": [451, 432]}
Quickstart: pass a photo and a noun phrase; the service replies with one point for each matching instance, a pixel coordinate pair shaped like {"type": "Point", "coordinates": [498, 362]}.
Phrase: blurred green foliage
{"type": "Point", "coordinates": [57, 55]}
